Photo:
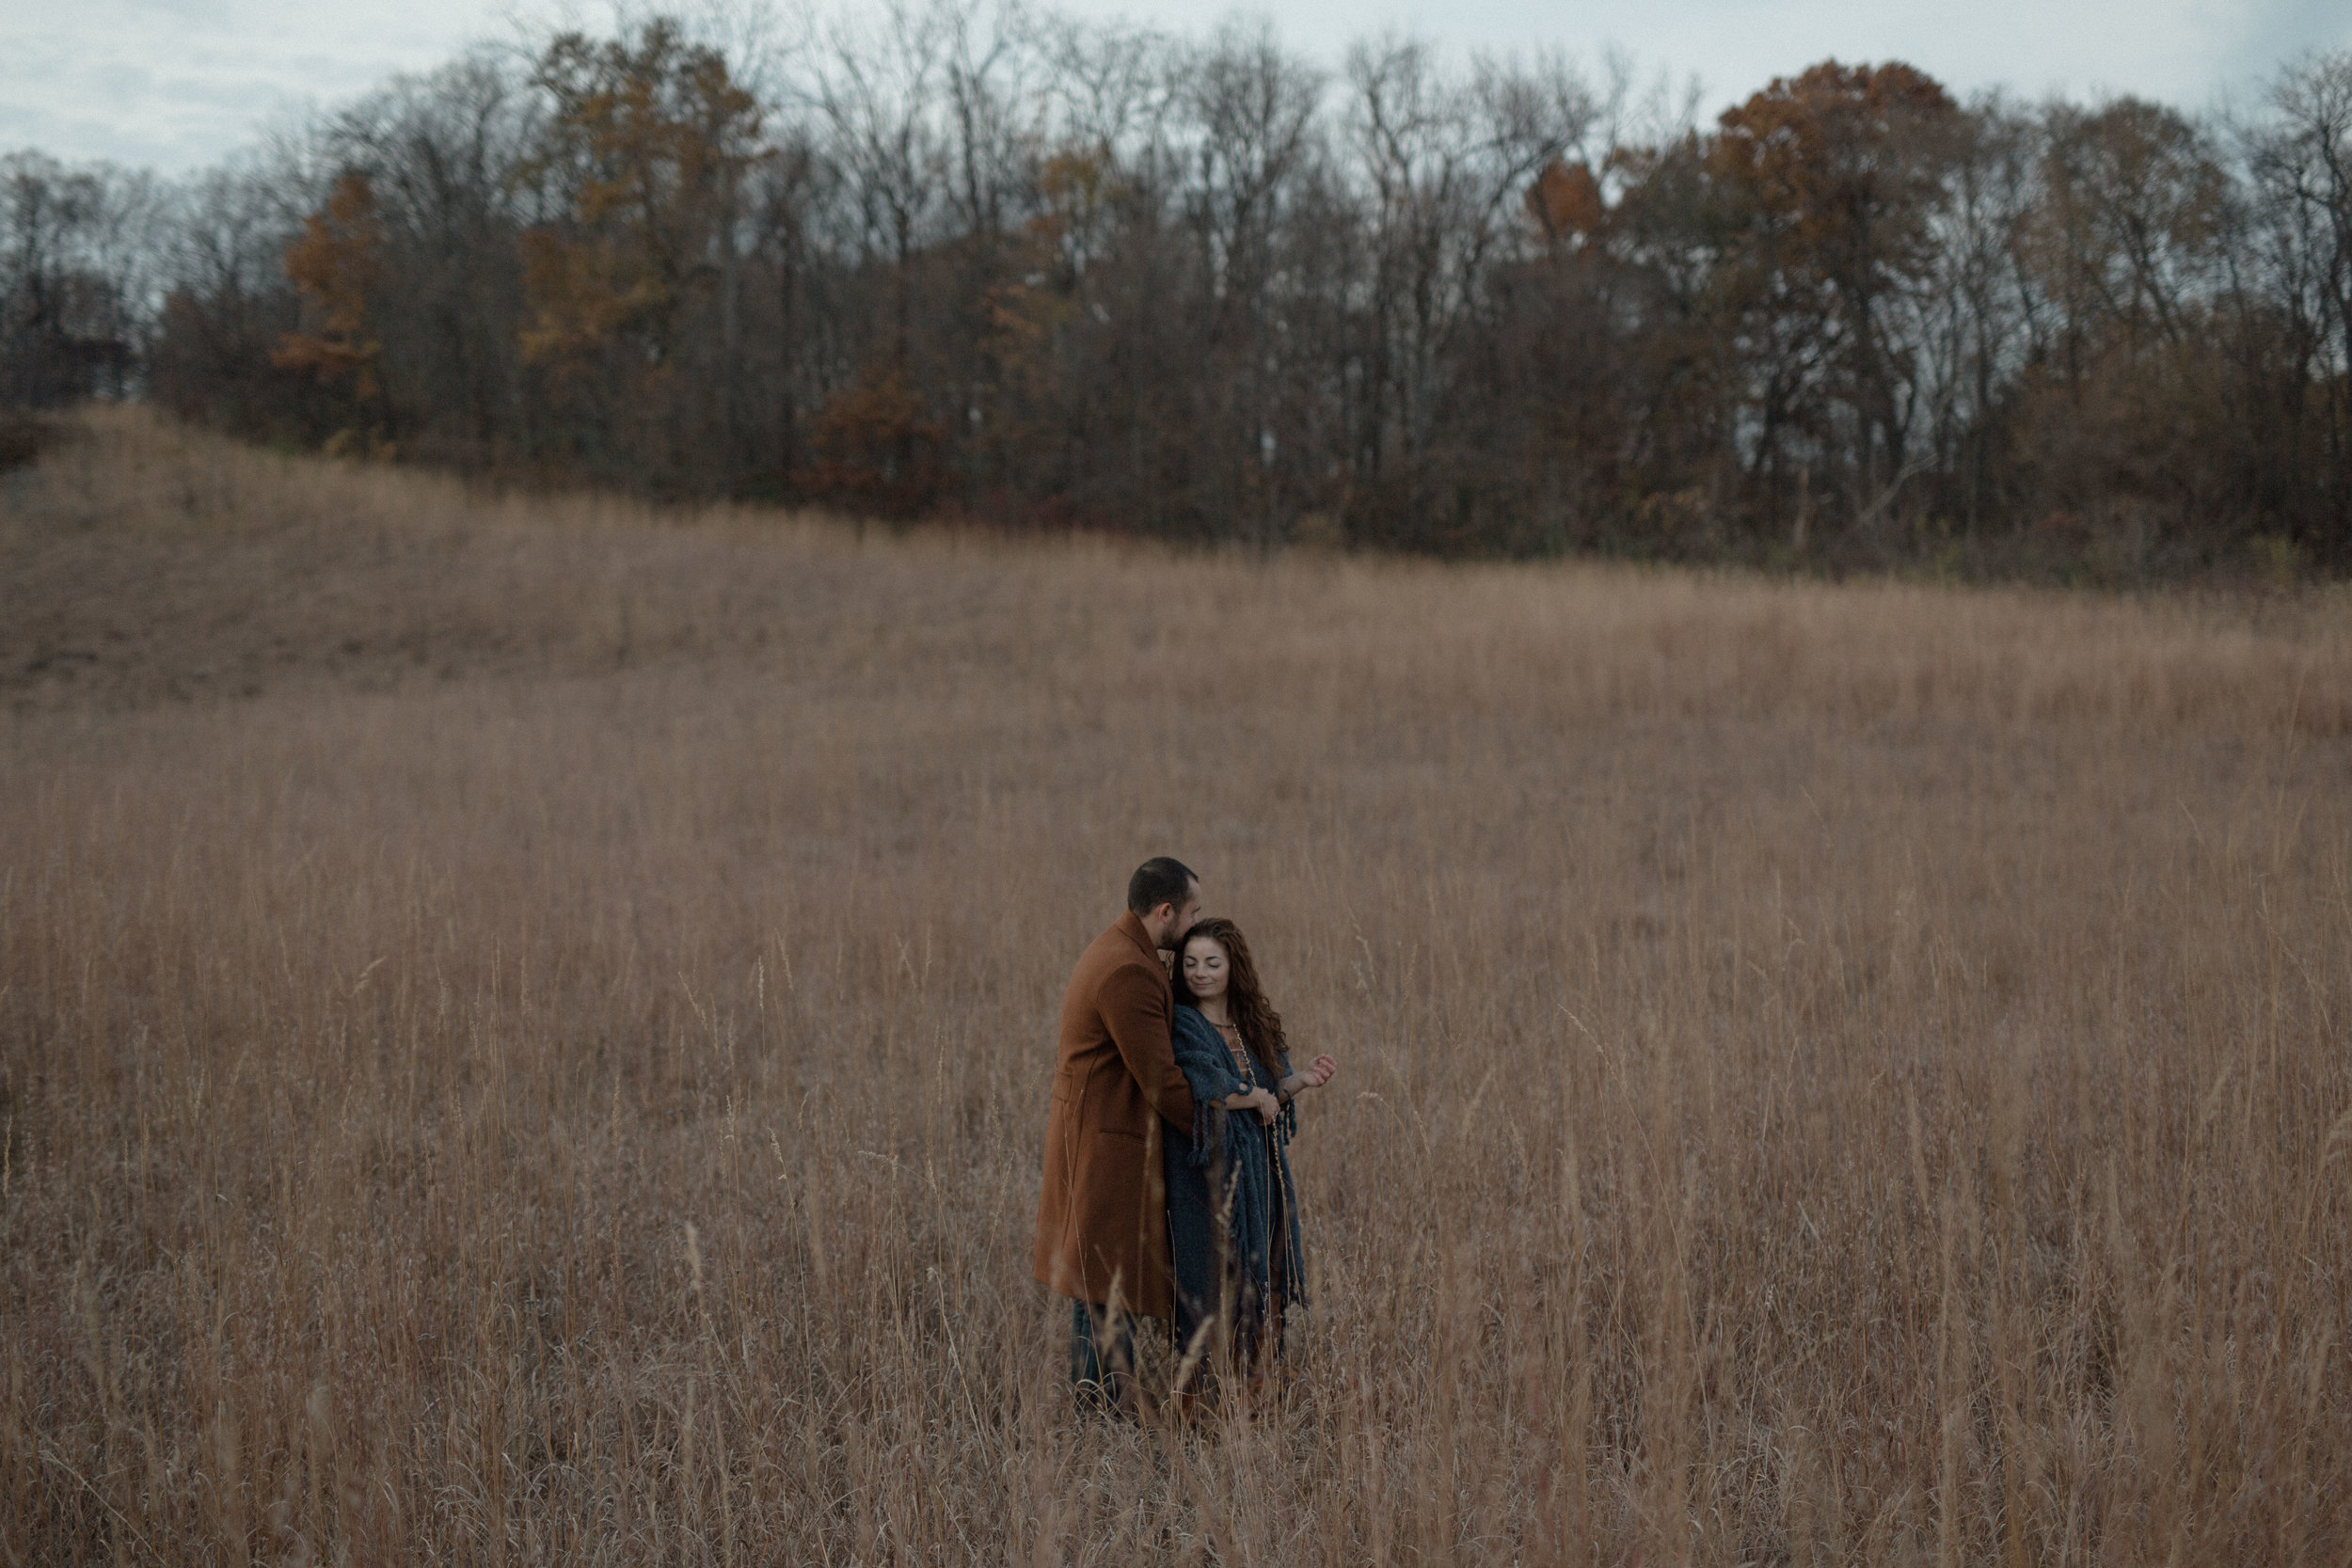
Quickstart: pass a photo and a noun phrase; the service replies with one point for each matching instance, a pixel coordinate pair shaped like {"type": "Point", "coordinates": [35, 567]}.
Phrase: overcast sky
{"type": "Point", "coordinates": [176, 84]}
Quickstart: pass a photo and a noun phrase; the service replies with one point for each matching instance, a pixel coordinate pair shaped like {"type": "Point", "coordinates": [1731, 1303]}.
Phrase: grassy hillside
{"type": "Point", "coordinates": [525, 1029]}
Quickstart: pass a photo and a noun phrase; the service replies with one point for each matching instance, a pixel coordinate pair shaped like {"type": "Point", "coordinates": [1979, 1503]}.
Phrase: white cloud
{"type": "Point", "coordinates": [181, 83]}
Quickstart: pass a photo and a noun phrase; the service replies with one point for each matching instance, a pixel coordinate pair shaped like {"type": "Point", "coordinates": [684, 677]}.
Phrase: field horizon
{"type": "Point", "coordinates": [525, 1026]}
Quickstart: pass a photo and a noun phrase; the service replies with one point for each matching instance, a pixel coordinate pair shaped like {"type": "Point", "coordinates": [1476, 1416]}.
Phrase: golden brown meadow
{"type": "Point", "coordinates": [527, 1027]}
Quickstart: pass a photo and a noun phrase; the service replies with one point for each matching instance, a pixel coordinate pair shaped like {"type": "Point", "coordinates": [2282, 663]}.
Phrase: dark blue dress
{"type": "Point", "coordinates": [1232, 1215]}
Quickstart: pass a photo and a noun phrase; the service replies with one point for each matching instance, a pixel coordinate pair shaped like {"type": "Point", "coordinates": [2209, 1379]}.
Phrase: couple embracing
{"type": "Point", "coordinates": [1168, 1186]}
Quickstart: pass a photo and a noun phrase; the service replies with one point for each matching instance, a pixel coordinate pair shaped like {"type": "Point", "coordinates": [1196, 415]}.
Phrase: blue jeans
{"type": "Point", "coordinates": [1102, 1358]}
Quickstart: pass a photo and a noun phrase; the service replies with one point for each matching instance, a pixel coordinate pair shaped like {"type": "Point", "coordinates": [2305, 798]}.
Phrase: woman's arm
{"type": "Point", "coordinates": [1312, 1076]}
{"type": "Point", "coordinates": [1259, 1100]}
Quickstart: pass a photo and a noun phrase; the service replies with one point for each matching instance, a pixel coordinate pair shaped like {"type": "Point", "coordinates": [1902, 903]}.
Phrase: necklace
{"type": "Point", "coordinates": [1233, 1044]}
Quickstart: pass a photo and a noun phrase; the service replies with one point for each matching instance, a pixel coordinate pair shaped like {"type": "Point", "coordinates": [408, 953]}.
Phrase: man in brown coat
{"type": "Point", "coordinates": [1101, 1215]}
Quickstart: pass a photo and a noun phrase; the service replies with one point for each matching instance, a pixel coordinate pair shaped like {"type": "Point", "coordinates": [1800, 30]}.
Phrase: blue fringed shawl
{"type": "Point", "coordinates": [1231, 1144]}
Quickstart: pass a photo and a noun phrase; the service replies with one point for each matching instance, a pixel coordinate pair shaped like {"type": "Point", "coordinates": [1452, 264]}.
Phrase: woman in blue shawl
{"type": "Point", "coordinates": [1233, 1213]}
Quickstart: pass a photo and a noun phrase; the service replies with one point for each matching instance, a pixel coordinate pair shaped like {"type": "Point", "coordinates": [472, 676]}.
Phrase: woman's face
{"type": "Point", "coordinates": [1205, 968]}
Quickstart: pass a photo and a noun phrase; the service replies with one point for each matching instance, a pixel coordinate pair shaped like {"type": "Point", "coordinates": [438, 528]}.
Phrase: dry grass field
{"type": "Point", "coordinates": [525, 1029]}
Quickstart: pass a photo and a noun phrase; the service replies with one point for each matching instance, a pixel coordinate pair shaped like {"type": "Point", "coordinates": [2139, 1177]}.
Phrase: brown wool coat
{"type": "Point", "coordinates": [1101, 1215]}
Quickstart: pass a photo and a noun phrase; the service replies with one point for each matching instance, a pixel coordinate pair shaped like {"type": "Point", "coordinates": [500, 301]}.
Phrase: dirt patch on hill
{"type": "Point", "coordinates": [142, 564]}
{"type": "Point", "coordinates": [24, 436]}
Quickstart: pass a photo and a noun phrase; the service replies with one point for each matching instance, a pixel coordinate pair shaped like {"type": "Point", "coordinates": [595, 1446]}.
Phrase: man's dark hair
{"type": "Point", "coordinates": [1156, 881]}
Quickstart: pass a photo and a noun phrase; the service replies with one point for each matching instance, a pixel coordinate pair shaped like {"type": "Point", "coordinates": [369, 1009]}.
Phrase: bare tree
{"type": "Point", "coordinates": [446, 155]}
{"type": "Point", "coordinates": [2301, 162]}
{"type": "Point", "coordinates": [876, 89]}
{"type": "Point", "coordinates": [1447, 161]}
{"type": "Point", "coordinates": [77, 278]}
{"type": "Point", "coordinates": [1249, 111]}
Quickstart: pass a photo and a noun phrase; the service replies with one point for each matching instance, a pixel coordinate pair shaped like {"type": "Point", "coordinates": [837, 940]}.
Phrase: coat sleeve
{"type": "Point", "coordinates": [1136, 1011]}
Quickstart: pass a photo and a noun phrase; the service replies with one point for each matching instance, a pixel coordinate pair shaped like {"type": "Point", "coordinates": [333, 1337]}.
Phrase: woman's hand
{"type": "Point", "coordinates": [1260, 1100]}
{"type": "Point", "coordinates": [1312, 1076]}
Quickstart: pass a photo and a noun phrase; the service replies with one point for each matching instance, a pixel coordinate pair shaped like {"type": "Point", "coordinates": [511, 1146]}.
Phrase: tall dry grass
{"type": "Point", "coordinates": [539, 1054]}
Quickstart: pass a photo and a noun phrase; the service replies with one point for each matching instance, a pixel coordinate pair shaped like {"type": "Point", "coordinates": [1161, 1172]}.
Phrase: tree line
{"type": "Point", "coordinates": [974, 262]}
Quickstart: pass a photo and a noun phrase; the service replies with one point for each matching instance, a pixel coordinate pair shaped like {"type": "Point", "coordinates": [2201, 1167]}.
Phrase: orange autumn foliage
{"type": "Point", "coordinates": [1843, 162]}
{"type": "Point", "coordinates": [878, 451]}
{"type": "Point", "coordinates": [649, 139]}
{"type": "Point", "coordinates": [333, 264]}
{"type": "Point", "coordinates": [1564, 200]}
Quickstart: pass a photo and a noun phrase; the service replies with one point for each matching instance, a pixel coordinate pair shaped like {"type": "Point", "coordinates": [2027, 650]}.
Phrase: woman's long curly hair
{"type": "Point", "coordinates": [1261, 1027]}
